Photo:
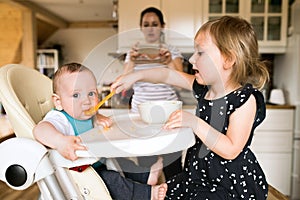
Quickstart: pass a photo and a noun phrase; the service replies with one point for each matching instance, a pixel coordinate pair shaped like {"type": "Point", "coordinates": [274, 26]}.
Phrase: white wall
{"type": "Point", "coordinates": [90, 47]}
{"type": "Point", "coordinates": [78, 42]}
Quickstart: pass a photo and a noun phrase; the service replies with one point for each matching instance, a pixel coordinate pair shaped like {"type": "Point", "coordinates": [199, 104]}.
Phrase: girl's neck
{"type": "Point", "coordinates": [216, 92]}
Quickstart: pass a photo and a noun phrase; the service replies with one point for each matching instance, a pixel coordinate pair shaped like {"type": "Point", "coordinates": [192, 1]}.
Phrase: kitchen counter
{"type": "Point", "coordinates": [268, 106]}
{"type": "Point", "coordinates": [271, 106]}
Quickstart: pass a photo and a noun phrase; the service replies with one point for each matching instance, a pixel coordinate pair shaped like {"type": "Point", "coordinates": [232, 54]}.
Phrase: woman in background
{"type": "Point", "coordinates": [152, 25]}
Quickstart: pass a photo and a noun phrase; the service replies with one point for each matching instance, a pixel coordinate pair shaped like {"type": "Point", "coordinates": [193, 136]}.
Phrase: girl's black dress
{"type": "Point", "coordinates": [207, 176]}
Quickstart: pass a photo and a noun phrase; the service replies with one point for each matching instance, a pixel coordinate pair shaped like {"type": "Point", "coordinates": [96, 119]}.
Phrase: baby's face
{"type": "Point", "coordinates": [78, 93]}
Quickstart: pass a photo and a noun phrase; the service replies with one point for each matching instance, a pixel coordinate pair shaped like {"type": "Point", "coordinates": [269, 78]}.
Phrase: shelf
{"type": "Point", "coordinates": [47, 61]}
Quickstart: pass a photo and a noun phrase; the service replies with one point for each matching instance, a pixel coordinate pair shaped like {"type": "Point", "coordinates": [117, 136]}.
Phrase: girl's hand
{"type": "Point", "coordinates": [180, 118]}
{"type": "Point", "coordinates": [68, 145]}
{"type": "Point", "coordinates": [101, 120]}
{"type": "Point", "coordinates": [124, 82]}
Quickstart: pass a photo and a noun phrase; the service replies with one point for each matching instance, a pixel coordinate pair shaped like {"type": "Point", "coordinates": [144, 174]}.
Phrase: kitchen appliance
{"type": "Point", "coordinates": [277, 97]}
{"type": "Point", "coordinates": [286, 76]}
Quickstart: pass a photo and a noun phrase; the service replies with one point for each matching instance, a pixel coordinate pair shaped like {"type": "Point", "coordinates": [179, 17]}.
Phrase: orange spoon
{"type": "Point", "coordinates": [95, 109]}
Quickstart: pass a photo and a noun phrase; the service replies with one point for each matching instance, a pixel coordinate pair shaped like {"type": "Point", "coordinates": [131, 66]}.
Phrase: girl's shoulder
{"type": "Point", "coordinates": [241, 95]}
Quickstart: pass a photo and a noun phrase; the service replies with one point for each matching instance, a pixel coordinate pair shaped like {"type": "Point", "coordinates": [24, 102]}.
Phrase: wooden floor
{"type": "Point", "coordinates": [5, 127]}
{"type": "Point", "coordinates": [32, 193]}
{"type": "Point", "coordinates": [6, 193]}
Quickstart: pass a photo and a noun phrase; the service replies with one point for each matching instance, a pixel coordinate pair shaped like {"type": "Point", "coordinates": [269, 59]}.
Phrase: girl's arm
{"type": "Point", "coordinates": [176, 64]}
{"type": "Point", "coordinates": [156, 75]}
{"type": "Point", "coordinates": [49, 136]}
{"type": "Point", "coordinates": [128, 67]}
{"type": "Point", "coordinates": [227, 146]}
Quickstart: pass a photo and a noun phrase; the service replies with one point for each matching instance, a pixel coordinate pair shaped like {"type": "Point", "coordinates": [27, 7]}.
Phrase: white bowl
{"type": "Point", "coordinates": [158, 112]}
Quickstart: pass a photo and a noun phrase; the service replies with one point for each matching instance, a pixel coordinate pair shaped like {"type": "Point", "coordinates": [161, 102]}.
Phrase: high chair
{"type": "Point", "coordinates": [26, 97]}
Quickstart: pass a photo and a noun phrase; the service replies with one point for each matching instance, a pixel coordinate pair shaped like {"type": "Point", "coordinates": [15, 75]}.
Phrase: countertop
{"type": "Point", "coordinates": [271, 106]}
{"type": "Point", "coordinates": [268, 106]}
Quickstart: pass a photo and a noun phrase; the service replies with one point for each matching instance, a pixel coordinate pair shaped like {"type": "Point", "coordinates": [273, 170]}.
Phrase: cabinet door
{"type": "Point", "coordinates": [277, 168]}
{"type": "Point", "coordinates": [295, 193]}
{"type": "Point", "coordinates": [217, 8]}
{"type": "Point", "coordinates": [182, 21]}
{"type": "Point", "coordinates": [272, 141]}
{"type": "Point", "coordinates": [269, 19]}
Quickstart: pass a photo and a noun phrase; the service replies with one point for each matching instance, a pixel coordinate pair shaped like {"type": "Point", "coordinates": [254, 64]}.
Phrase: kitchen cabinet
{"type": "Point", "coordinates": [184, 18]}
{"type": "Point", "coordinates": [269, 19]}
{"type": "Point", "coordinates": [295, 193]}
{"type": "Point", "coordinates": [272, 144]}
{"type": "Point", "coordinates": [47, 61]}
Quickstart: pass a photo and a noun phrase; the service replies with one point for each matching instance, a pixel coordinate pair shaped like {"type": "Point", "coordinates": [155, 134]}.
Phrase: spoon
{"type": "Point", "coordinates": [94, 109]}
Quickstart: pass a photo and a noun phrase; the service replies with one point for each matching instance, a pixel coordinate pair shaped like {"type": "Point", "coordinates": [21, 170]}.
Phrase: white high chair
{"type": "Point", "coordinates": [26, 97]}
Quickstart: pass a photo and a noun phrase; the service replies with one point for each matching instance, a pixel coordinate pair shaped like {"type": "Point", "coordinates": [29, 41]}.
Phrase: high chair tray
{"type": "Point", "coordinates": [130, 136]}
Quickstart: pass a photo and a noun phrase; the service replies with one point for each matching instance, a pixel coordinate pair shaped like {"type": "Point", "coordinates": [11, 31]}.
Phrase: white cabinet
{"type": "Point", "coordinates": [47, 61]}
{"type": "Point", "coordinates": [272, 143]}
{"type": "Point", "coordinates": [269, 19]}
{"type": "Point", "coordinates": [295, 194]}
{"type": "Point", "coordinates": [184, 18]}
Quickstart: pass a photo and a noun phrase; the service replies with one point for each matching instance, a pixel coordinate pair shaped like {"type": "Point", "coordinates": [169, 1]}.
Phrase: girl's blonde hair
{"type": "Point", "coordinates": [235, 38]}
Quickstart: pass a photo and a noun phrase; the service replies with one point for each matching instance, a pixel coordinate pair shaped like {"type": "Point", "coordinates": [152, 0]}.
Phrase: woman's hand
{"type": "Point", "coordinates": [134, 54]}
{"type": "Point", "coordinates": [101, 120]}
{"type": "Point", "coordinates": [165, 56]}
{"type": "Point", "coordinates": [68, 145]}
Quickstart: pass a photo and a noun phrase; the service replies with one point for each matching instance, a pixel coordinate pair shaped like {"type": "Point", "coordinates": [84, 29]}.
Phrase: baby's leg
{"type": "Point", "coordinates": [159, 191]}
{"type": "Point", "coordinates": [155, 171]}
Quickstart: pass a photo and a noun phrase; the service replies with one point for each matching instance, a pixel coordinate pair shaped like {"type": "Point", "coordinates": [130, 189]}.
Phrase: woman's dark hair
{"type": "Point", "coordinates": [153, 10]}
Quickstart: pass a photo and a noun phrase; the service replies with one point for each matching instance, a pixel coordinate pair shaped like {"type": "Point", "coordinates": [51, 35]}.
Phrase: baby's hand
{"type": "Point", "coordinates": [68, 145]}
{"type": "Point", "coordinates": [101, 120]}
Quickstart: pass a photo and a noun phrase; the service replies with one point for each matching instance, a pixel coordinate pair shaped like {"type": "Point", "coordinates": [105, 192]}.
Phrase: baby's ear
{"type": "Point", "coordinates": [57, 102]}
